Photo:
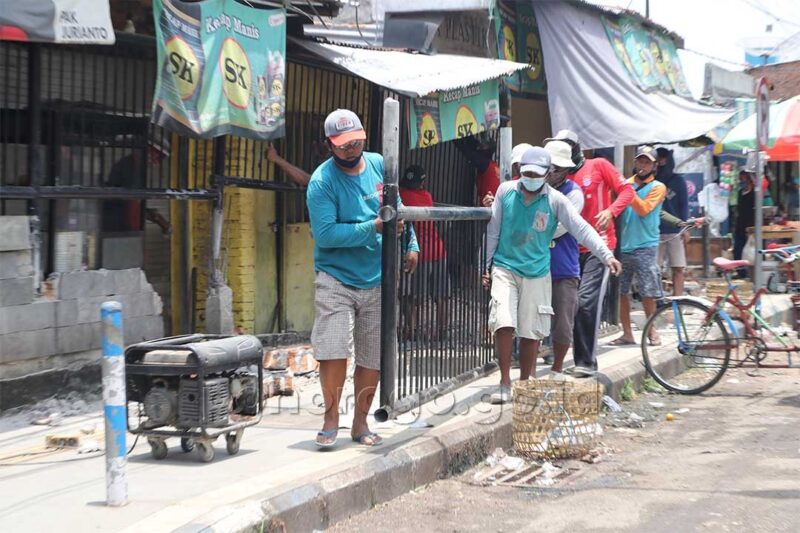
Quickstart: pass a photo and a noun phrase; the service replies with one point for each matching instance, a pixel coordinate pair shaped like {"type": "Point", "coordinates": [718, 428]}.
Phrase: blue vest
{"type": "Point", "coordinates": [564, 263]}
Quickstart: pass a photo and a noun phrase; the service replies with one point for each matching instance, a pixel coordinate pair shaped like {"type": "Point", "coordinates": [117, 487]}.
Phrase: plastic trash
{"type": "Point", "coordinates": [657, 405]}
{"type": "Point", "coordinates": [512, 463]}
{"type": "Point", "coordinates": [611, 404]}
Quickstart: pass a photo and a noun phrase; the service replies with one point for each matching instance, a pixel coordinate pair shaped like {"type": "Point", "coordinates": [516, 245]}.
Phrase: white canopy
{"type": "Point", "coordinates": [590, 92]}
{"type": "Point", "coordinates": [413, 74]}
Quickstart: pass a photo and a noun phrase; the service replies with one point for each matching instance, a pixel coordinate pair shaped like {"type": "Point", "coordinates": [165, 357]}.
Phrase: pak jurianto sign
{"type": "Point", "coordinates": [650, 58]}
{"type": "Point", "coordinates": [449, 115]}
{"type": "Point", "coordinates": [221, 69]}
{"type": "Point", "coordinates": [518, 40]}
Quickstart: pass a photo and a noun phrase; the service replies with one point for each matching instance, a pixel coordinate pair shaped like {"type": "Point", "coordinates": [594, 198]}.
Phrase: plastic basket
{"type": "Point", "coordinates": [555, 419]}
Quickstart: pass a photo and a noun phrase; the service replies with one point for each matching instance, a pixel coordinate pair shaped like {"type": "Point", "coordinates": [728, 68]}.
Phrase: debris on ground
{"type": "Point", "coordinates": [628, 392]}
{"type": "Point", "coordinates": [657, 405]}
{"type": "Point", "coordinates": [500, 468]}
{"type": "Point", "coordinates": [595, 455]}
{"type": "Point", "coordinates": [612, 405]}
{"type": "Point", "coordinates": [733, 380]}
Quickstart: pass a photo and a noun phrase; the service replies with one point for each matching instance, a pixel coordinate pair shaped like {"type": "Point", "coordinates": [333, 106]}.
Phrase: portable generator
{"type": "Point", "coordinates": [195, 387]}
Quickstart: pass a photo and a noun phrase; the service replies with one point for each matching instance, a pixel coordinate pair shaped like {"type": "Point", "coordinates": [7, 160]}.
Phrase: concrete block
{"type": "Point", "coordinates": [89, 308]}
{"type": "Point", "coordinates": [82, 284]}
{"type": "Point", "coordinates": [15, 264]}
{"type": "Point", "coordinates": [347, 493]}
{"type": "Point", "coordinates": [79, 338]}
{"type": "Point", "coordinates": [15, 233]}
{"type": "Point", "coordinates": [219, 311]}
{"type": "Point", "coordinates": [393, 476]}
{"type": "Point", "coordinates": [66, 312]}
{"type": "Point", "coordinates": [23, 345]}
{"type": "Point", "coordinates": [16, 291]}
{"type": "Point", "coordinates": [29, 317]}
{"type": "Point", "coordinates": [298, 509]}
{"type": "Point", "coordinates": [126, 281]}
{"type": "Point", "coordinates": [427, 457]}
{"type": "Point", "coordinates": [142, 328]}
{"type": "Point", "coordinates": [140, 304]}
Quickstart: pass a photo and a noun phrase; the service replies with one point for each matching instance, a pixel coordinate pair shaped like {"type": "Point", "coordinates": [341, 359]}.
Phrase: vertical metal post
{"type": "Point", "coordinates": [114, 404]}
{"type": "Point", "coordinates": [389, 259]}
{"type": "Point", "coordinates": [759, 222]}
{"type": "Point", "coordinates": [505, 146]}
{"type": "Point", "coordinates": [34, 155]}
{"type": "Point", "coordinates": [217, 212]}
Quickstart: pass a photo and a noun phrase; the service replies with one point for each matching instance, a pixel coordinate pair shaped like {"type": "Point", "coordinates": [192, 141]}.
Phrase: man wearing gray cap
{"type": "Point", "coordinates": [525, 215]}
{"type": "Point", "coordinates": [343, 197]}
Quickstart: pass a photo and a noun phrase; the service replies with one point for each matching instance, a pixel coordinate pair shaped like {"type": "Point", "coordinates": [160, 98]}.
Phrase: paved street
{"type": "Point", "coordinates": [729, 463]}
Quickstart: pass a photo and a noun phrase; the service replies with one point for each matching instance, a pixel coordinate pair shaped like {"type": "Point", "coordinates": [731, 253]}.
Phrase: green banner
{"type": "Point", "coordinates": [651, 59]}
{"type": "Point", "coordinates": [518, 40]}
{"type": "Point", "coordinates": [449, 115]}
{"type": "Point", "coordinates": [221, 69]}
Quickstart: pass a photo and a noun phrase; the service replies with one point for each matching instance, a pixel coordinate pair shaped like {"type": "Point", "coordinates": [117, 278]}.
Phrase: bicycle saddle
{"type": "Point", "coordinates": [726, 264]}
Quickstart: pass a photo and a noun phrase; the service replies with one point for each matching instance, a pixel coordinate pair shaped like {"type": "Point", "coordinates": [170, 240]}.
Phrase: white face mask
{"type": "Point", "coordinates": [532, 184]}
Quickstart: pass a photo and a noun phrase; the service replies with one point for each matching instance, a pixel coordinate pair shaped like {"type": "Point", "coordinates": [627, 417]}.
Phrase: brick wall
{"type": "Point", "coordinates": [784, 78]}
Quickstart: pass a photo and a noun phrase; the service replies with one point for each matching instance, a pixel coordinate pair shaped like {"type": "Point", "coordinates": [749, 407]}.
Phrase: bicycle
{"type": "Point", "coordinates": [705, 335]}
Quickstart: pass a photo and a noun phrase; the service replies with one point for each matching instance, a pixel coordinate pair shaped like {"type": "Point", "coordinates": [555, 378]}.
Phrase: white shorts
{"type": "Point", "coordinates": [672, 249]}
{"type": "Point", "coordinates": [520, 303]}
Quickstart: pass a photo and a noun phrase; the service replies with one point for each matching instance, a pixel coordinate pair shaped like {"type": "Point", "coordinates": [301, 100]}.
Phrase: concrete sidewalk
{"type": "Point", "coordinates": [279, 478]}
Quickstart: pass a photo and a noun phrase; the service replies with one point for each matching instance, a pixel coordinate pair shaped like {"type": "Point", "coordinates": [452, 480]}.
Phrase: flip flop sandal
{"type": "Point", "coordinates": [330, 434]}
{"type": "Point", "coordinates": [374, 437]}
{"type": "Point", "coordinates": [622, 342]}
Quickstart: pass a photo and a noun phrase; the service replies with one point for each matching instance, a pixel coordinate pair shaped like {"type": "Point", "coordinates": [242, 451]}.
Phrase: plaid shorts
{"type": "Point", "coordinates": [643, 264]}
{"type": "Point", "coordinates": [347, 322]}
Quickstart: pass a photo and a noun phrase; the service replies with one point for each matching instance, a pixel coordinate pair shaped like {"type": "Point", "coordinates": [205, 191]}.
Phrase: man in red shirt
{"type": "Point", "coordinates": [430, 279]}
{"type": "Point", "coordinates": [598, 179]}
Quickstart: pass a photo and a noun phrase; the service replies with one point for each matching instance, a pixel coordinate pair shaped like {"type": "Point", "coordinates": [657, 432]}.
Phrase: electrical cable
{"type": "Point", "coordinates": [769, 13]}
{"type": "Point", "coordinates": [314, 9]}
{"type": "Point", "coordinates": [358, 27]}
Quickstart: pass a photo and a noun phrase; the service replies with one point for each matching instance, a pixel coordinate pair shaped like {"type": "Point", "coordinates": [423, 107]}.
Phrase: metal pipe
{"type": "Point", "coordinates": [414, 214]}
{"type": "Point", "coordinates": [66, 191]}
{"type": "Point", "coordinates": [114, 399]}
{"type": "Point", "coordinates": [387, 411]}
{"type": "Point", "coordinates": [34, 157]}
{"type": "Point", "coordinates": [759, 222]}
{"type": "Point", "coordinates": [389, 251]}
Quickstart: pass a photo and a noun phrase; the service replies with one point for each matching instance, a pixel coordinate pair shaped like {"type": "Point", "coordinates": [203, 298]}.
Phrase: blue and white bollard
{"type": "Point", "coordinates": [114, 404]}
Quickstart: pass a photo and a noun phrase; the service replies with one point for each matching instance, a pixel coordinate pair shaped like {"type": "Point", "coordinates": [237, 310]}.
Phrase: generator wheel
{"type": "Point", "coordinates": [232, 441]}
{"type": "Point", "coordinates": [187, 444]}
{"type": "Point", "coordinates": [158, 448]}
{"type": "Point", "coordinates": [205, 451]}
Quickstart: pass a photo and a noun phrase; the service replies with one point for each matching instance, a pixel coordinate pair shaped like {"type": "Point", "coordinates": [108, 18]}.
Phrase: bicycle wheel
{"type": "Point", "coordinates": [702, 342]}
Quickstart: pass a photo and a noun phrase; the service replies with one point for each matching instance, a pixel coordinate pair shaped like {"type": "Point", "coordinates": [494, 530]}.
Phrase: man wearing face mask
{"type": "Point", "coordinates": [525, 215]}
{"type": "Point", "coordinates": [598, 180]}
{"type": "Point", "coordinates": [565, 268]}
{"type": "Point", "coordinates": [343, 197]}
{"type": "Point", "coordinates": [639, 243]}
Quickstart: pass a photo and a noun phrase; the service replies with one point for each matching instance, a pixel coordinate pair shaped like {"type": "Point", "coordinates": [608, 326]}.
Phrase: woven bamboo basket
{"type": "Point", "coordinates": [555, 419]}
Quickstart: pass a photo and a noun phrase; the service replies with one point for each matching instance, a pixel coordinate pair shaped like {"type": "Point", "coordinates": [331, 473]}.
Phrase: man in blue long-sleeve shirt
{"type": "Point", "coordinates": [676, 203]}
{"type": "Point", "coordinates": [343, 197]}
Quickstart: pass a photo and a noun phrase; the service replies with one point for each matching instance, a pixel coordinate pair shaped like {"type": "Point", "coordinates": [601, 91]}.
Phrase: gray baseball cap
{"type": "Point", "coordinates": [536, 160]}
{"type": "Point", "coordinates": [343, 126]}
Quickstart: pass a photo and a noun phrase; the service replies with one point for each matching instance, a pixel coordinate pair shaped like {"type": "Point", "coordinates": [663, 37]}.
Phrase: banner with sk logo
{"type": "Point", "coordinates": [449, 115]}
{"type": "Point", "coordinates": [518, 40]}
{"type": "Point", "coordinates": [221, 69]}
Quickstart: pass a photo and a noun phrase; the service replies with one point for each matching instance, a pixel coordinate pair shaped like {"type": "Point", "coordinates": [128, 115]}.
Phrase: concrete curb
{"type": "Point", "coordinates": [360, 485]}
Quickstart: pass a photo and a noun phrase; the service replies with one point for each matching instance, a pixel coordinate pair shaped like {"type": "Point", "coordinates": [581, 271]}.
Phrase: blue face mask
{"type": "Point", "coordinates": [532, 184]}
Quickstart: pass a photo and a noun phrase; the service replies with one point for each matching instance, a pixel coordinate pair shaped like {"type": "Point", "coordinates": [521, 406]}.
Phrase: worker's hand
{"type": "Point", "coordinates": [488, 200]}
{"type": "Point", "coordinates": [379, 226]}
{"type": "Point", "coordinates": [603, 219]}
{"type": "Point", "coordinates": [272, 153]}
{"type": "Point", "coordinates": [410, 262]}
{"type": "Point", "coordinates": [486, 280]}
{"type": "Point", "coordinates": [614, 266]}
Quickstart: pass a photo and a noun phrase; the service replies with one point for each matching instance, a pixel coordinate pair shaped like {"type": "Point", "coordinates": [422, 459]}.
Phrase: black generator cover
{"type": "Point", "coordinates": [199, 351]}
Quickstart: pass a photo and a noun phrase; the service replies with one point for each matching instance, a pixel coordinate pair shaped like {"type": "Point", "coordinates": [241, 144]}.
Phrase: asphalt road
{"type": "Point", "coordinates": [729, 463]}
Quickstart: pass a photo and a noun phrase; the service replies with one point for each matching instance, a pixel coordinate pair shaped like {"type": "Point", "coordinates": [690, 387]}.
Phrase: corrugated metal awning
{"type": "Point", "coordinates": [413, 74]}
